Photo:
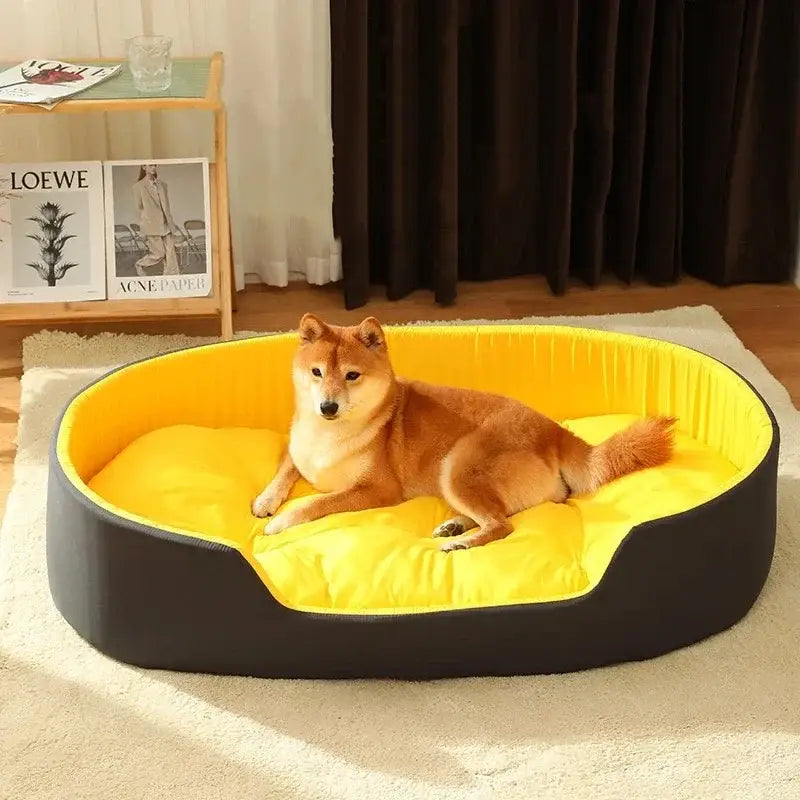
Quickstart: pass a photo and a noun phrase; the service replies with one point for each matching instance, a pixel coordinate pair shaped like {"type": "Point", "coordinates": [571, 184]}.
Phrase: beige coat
{"type": "Point", "coordinates": [155, 216]}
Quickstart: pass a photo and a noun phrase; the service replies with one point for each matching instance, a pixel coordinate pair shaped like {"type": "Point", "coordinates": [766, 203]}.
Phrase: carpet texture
{"type": "Point", "coordinates": [717, 720]}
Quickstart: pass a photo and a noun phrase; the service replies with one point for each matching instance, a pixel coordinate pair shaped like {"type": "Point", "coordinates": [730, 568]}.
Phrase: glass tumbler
{"type": "Point", "coordinates": [150, 62]}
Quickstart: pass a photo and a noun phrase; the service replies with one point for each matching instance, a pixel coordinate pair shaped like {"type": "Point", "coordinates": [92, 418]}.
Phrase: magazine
{"type": "Point", "coordinates": [45, 83]}
{"type": "Point", "coordinates": [158, 228]}
{"type": "Point", "coordinates": [51, 232]}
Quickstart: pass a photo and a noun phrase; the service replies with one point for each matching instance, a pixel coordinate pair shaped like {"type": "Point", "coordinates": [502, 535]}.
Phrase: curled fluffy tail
{"type": "Point", "coordinates": [645, 443]}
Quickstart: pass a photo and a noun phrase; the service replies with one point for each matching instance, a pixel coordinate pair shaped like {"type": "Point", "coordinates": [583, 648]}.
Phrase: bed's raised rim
{"type": "Point", "coordinates": [129, 522]}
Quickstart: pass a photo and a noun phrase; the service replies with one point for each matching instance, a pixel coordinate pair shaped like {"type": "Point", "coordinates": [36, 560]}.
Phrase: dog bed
{"type": "Point", "coordinates": [154, 557]}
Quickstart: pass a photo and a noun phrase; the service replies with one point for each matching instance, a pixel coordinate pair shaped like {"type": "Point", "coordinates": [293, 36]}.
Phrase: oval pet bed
{"type": "Point", "coordinates": [155, 558]}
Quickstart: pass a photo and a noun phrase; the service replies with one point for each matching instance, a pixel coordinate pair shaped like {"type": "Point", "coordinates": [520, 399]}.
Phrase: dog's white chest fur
{"type": "Point", "coordinates": [325, 461]}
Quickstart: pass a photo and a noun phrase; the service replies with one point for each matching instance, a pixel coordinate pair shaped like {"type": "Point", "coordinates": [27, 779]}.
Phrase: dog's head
{"type": "Point", "coordinates": [342, 373]}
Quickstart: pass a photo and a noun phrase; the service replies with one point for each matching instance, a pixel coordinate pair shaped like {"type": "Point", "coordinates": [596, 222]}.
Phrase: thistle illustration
{"type": "Point", "coordinates": [51, 243]}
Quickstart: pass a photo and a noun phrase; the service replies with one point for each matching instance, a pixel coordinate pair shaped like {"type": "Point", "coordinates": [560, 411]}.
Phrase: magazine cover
{"type": "Point", "coordinates": [44, 82]}
{"type": "Point", "coordinates": [158, 228]}
{"type": "Point", "coordinates": [52, 243]}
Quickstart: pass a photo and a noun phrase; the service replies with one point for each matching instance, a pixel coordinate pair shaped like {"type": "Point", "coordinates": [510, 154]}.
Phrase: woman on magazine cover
{"type": "Point", "coordinates": [155, 221]}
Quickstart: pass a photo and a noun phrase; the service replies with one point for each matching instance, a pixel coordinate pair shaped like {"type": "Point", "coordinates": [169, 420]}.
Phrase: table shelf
{"type": "Point", "coordinates": [109, 310]}
{"type": "Point", "coordinates": [196, 85]}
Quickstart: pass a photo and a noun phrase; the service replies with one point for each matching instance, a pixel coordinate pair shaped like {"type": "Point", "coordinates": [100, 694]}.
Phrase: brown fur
{"type": "Point", "coordinates": [392, 439]}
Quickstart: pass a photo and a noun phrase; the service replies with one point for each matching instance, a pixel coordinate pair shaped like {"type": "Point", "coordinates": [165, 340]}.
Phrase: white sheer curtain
{"type": "Point", "coordinates": [277, 90]}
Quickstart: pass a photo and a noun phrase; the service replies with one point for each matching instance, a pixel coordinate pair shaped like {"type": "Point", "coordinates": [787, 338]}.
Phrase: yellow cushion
{"type": "Point", "coordinates": [186, 440]}
{"type": "Point", "coordinates": [202, 480]}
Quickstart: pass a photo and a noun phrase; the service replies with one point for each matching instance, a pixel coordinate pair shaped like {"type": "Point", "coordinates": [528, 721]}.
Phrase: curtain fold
{"type": "Point", "coordinates": [644, 139]}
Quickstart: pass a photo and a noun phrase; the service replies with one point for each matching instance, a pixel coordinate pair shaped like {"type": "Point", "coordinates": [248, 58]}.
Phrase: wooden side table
{"type": "Point", "coordinates": [195, 85]}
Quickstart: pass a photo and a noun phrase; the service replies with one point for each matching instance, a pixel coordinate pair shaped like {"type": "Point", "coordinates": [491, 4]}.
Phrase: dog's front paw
{"type": "Point", "coordinates": [266, 504]}
{"type": "Point", "coordinates": [278, 524]}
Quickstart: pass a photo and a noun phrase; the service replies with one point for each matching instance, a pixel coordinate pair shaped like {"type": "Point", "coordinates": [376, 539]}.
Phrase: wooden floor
{"type": "Point", "coordinates": [766, 318]}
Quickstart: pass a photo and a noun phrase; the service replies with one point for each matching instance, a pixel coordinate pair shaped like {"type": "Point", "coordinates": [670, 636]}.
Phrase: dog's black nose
{"type": "Point", "coordinates": [328, 408]}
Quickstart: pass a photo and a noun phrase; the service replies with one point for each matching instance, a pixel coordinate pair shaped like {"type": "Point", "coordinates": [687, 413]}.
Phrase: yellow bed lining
{"type": "Point", "coordinates": [242, 390]}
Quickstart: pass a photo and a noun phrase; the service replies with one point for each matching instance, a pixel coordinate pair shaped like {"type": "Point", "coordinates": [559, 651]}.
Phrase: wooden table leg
{"type": "Point", "coordinates": [227, 286]}
{"type": "Point", "coordinates": [234, 304]}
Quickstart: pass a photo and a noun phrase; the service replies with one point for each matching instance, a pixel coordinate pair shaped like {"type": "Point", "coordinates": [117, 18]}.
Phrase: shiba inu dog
{"type": "Point", "coordinates": [366, 438]}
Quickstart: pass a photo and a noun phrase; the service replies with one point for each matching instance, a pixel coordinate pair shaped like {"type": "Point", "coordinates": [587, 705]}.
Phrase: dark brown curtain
{"type": "Point", "coordinates": [478, 139]}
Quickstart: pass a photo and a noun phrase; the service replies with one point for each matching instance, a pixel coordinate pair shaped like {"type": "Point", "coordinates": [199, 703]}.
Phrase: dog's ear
{"type": "Point", "coordinates": [370, 333]}
{"type": "Point", "coordinates": [311, 328]}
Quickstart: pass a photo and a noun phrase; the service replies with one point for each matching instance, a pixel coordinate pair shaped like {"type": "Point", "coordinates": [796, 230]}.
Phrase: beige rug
{"type": "Point", "coordinates": [718, 720]}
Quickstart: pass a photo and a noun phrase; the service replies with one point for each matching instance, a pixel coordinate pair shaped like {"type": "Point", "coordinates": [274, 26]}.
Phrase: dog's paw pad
{"type": "Point", "coordinates": [455, 544]}
{"type": "Point", "coordinates": [449, 528]}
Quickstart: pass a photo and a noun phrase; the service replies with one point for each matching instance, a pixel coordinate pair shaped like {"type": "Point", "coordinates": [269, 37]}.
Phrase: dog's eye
{"type": "Point", "coordinates": [316, 372]}
{"type": "Point", "coordinates": [352, 376]}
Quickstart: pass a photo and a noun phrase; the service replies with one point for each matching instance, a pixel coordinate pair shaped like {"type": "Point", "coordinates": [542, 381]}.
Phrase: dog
{"type": "Point", "coordinates": [366, 438]}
